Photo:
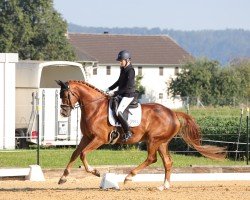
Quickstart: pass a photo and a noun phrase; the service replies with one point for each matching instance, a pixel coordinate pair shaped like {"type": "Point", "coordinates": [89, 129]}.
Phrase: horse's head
{"type": "Point", "coordinates": [68, 98]}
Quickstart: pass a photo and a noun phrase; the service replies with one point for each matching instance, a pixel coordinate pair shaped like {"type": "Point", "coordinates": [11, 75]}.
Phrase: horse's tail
{"type": "Point", "coordinates": [191, 134]}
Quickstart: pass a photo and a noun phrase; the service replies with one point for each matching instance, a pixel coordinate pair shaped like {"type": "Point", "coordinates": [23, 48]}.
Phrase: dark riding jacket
{"type": "Point", "coordinates": [125, 82]}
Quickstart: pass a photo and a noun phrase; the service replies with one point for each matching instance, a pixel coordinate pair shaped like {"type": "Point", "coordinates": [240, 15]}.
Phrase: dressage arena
{"type": "Point", "coordinates": [81, 185]}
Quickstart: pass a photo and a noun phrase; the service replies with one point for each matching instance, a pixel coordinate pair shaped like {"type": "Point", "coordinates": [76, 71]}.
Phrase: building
{"type": "Point", "coordinates": [156, 58]}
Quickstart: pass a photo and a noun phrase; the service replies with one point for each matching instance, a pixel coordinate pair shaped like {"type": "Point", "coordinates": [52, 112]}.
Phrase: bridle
{"type": "Point", "coordinates": [69, 99]}
{"type": "Point", "coordinates": [80, 104]}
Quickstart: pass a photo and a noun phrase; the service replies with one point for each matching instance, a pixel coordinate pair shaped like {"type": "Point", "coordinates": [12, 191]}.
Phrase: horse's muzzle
{"type": "Point", "coordinates": [65, 111]}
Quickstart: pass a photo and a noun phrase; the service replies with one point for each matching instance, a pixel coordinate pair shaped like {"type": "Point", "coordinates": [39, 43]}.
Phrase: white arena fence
{"type": "Point", "coordinates": [112, 180]}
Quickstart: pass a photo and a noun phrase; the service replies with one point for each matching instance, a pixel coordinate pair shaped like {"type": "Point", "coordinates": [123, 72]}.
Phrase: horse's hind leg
{"type": "Point", "coordinates": [74, 156]}
{"type": "Point", "coordinates": [167, 162]}
{"type": "Point", "coordinates": [152, 158]}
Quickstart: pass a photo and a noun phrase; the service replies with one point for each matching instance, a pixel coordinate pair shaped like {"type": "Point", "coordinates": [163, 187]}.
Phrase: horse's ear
{"type": "Point", "coordinates": [62, 84]}
{"type": "Point", "coordinates": [59, 82]}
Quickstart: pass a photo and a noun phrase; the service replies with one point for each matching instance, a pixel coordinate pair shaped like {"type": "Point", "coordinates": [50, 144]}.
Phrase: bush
{"type": "Point", "coordinates": [221, 124]}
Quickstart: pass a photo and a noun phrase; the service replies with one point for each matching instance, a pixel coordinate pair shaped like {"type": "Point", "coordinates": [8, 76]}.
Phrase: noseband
{"type": "Point", "coordinates": [69, 99]}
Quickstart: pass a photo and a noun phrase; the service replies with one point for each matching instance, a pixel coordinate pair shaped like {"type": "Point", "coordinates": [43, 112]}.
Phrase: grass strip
{"type": "Point", "coordinates": [58, 158]}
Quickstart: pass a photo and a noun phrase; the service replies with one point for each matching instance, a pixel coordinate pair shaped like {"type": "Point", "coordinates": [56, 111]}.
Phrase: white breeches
{"type": "Point", "coordinates": [124, 104]}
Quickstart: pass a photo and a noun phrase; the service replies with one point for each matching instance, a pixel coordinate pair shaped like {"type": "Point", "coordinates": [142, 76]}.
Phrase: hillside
{"type": "Point", "coordinates": [220, 45]}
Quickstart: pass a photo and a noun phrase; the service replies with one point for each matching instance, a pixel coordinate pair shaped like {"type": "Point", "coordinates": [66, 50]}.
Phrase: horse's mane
{"type": "Point", "coordinates": [89, 85]}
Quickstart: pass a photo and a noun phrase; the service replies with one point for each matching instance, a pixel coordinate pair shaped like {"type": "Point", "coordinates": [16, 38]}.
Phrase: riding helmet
{"type": "Point", "coordinates": [123, 55]}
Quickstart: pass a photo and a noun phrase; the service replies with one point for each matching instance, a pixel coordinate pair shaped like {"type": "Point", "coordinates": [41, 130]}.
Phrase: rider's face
{"type": "Point", "coordinates": [123, 63]}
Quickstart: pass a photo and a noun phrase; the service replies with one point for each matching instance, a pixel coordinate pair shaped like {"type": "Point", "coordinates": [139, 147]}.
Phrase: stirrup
{"type": "Point", "coordinates": [126, 136]}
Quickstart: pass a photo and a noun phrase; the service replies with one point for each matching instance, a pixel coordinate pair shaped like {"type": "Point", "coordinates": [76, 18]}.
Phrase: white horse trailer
{"type": "Point", "coordinates": [7, 99]}
{"type": "Point", "coordinates": [38, 103]}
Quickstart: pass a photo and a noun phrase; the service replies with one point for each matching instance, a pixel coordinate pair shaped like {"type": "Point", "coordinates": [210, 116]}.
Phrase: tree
{"type": "Point", "coordinates": [212, 84]}
{"type": "Point", "coordinates": [33, 29]}
{"type": "Point", "coordinates": [197, 79]}
{"type": "Point", "coordinates": [138, 85]}
{"type": "Point", "coordinates": [227, 86]}
{"type": "Point", "coordinates": [241, 67]}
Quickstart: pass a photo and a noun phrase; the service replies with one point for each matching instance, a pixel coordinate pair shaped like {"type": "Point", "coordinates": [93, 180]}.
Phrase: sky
{"type": "Point", "coordinates": [164, 14]}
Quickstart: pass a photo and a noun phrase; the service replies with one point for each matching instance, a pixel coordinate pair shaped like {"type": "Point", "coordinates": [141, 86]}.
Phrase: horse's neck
{"type": "Point", "coordinates": [88, 95]}
{"type": "Point", "coordinates": [94, 109]}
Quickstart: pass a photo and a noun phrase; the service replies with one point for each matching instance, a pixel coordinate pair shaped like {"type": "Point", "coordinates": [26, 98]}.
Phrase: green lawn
{"type": "Point", "coordinates": [58, 158]}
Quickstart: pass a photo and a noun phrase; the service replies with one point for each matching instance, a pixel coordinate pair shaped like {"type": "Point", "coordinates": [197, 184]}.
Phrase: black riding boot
{"type": "Point", "coordinates": [125, 126]}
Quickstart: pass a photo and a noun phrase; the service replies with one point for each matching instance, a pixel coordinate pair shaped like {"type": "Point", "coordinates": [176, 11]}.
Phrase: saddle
{"type": "Point", "coordinates": [132, 112]}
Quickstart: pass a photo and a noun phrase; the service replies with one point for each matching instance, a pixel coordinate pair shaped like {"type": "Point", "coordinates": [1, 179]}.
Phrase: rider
{"type": "Point", "coordinates": [126, 89]}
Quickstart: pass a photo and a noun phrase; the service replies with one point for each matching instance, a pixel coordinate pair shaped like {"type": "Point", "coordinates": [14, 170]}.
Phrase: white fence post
{"type": "Point", "coordinates": [7, 99]}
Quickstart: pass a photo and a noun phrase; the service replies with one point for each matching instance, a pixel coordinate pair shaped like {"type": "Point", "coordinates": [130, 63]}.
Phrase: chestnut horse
{"type": "Point", "coordinates": [158, 126]}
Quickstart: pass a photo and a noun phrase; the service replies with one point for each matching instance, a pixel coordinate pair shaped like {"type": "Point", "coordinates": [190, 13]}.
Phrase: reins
{"type": "Point", "coordinates": [80, 104]}
{"type": "Point", "coordinates": [90, 102]}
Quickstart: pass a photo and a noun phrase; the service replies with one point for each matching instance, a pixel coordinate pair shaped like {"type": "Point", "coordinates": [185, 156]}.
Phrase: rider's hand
{"type": "Point", "coordinates": [107, 90]}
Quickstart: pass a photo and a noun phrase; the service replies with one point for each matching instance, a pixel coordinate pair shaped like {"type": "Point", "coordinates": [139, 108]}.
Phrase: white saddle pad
{"type": "Point", "coordinates": [134, 117]}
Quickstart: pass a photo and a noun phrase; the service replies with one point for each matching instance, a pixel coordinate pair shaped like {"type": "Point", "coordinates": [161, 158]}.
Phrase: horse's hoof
{"type": "Point", "coordinates": [96, 173]}
{"type": "Point", "coordinates": [62, 180]}
{"type": "Point", "coordinates": [162, 187]}
{"type": "Point", "coordinates": [127, 179]}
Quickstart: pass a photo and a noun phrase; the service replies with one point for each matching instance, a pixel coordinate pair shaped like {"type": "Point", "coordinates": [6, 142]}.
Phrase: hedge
{"type": "Point", "coordinates": [218, 124]}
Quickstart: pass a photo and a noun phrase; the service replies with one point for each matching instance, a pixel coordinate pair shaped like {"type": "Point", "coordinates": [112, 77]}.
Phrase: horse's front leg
{"type": "Point", "coordinates": [87, 167]}
{"type": "Point", "coordinates": [84, 141]}
{"type": "Point", "coordinates": [94, 144]}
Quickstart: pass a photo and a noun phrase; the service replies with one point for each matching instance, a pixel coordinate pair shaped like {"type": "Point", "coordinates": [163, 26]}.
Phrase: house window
{"type": "Point", "coordinates": [108, 70]}
{"type": "Point", "coordinates": [140, 71]}
{"type": "Point", "coordinates": [176, 70]}
{"type": "Point", "coordinates": [95, 71]}
{"type": "Point", "coordinates": [160, 95]}
{"type": "Point", "coordinates": [161, 71]}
